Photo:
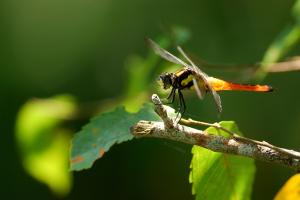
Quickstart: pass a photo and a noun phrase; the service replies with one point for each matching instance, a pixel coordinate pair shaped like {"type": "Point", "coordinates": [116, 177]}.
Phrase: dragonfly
{"type": "Point", "coordinates": [191, 77]}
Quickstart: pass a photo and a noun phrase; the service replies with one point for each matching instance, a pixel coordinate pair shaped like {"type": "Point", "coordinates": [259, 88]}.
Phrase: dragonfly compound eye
{"type": "Point", "coordinates": [166, 80]}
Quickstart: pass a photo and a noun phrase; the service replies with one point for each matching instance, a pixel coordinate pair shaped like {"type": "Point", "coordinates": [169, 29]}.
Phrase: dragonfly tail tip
{"type": "Point", "coordinates": [271, 89]}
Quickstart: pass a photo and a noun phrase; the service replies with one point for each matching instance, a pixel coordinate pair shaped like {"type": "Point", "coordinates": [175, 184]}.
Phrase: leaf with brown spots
{"type": "Point", "coordinates": [221, 176]}
{"type": "Point", "coordinates": [102, 132]}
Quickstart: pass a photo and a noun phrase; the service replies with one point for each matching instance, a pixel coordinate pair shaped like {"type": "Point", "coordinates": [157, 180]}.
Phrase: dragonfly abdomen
{"type": "Point", "coordinates": [219, 85]}
{"type": "Point", "coordinates": [251, 88]}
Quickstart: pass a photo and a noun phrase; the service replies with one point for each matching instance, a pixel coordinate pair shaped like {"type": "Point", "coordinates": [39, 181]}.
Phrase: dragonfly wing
{"type": "Point", "coordinates": [202, 78]}
{"type": "Point", "coordinates": [201, 84]}
{"type": "Point", "coordinates": [199, 90]}
{"type": "Point", "coordinates": [217, 99]}
{"type": "Point", "coordinates": [192, 64]}
{"type": "Point", "coordinates": [164, 53]}
{"type": "Point", "coordinates": [215, 95]}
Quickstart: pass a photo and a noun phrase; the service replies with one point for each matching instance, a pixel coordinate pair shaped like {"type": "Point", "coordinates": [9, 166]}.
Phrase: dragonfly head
{"type": "Point", "coordinates": [166, 80]}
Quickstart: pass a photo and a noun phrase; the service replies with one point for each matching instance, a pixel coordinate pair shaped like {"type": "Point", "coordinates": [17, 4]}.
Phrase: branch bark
{"type": "Point", "coordinates": [236, 145]}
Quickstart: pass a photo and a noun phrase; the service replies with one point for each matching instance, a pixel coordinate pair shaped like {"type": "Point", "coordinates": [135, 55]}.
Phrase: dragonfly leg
{"type": "Point", "coordinates": [181, 99]}
{"type": "Point", "coordinates": [172, 96]}
{"type": "Point", "coordinates": [182, 106]}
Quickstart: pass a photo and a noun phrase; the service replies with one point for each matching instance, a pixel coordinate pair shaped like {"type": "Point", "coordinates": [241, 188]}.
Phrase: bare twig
{"type": "Point", "coordinates": [292, 64]}
{"type": "Point", "coordinates": [190, 122]}
{"type": "Point", "coordinates": [234, 144]}
{"type": "Point", "coordinates": [161, 111]}
{"type": "Point", "coordinates": [237, 137]}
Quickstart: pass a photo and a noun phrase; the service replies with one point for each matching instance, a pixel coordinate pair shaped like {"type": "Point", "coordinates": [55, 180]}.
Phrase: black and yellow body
{"type": "Point", "coordinates": [191, 77]}
{"type": "Point", "coordinates": [180, 80]}
{"type": "Point", "coordinates": [183, 79]}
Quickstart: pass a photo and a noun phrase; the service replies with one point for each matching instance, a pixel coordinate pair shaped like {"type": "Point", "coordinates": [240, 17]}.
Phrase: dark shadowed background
{"type": "Point", "coordinates": [80, 47]}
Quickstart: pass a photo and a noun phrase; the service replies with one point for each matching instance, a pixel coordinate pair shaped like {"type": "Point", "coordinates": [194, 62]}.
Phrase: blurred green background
{"type": "Point", "coordinates": [80, 47]}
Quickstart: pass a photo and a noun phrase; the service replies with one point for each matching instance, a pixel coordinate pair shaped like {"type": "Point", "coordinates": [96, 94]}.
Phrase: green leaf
{"type": "Point", "coordinates": [221, 176]}
{"type": "Point", "coordinates": [44, 145]}
{"type": "Point", "coordinates": [296, 11]}
{"type": "Point", "coordinates": [102, 132]}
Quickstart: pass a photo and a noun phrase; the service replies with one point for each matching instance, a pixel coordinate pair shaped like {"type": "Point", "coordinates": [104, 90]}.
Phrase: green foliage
{"type": "Point", "coordinates": [44, 145]}
{"type": "Point", "coordinates": [102, 132]}
{"type": "Point", "coordinates": [296, 12]}
{"type": "Point", "coordinates": [107, 129]}
{"type": "Point", "coordinates": [220, 176]}
{"type": "Point", "coordinates": [283, 43]}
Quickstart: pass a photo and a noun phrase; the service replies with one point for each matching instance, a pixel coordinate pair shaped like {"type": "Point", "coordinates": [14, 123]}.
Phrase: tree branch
{"type": "Point", "coordinates": [235, 144]}
{"type": "Point", "coordinates": [293, 64]}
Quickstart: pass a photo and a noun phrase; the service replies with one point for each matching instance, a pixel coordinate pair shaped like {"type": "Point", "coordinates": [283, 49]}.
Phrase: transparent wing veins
{"type": "Point", "coordinates": [199, 75]}
{"type": "Point", "coordinates": [202, 77]}
{"type": "Point", "coordinates": [164, 53]}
